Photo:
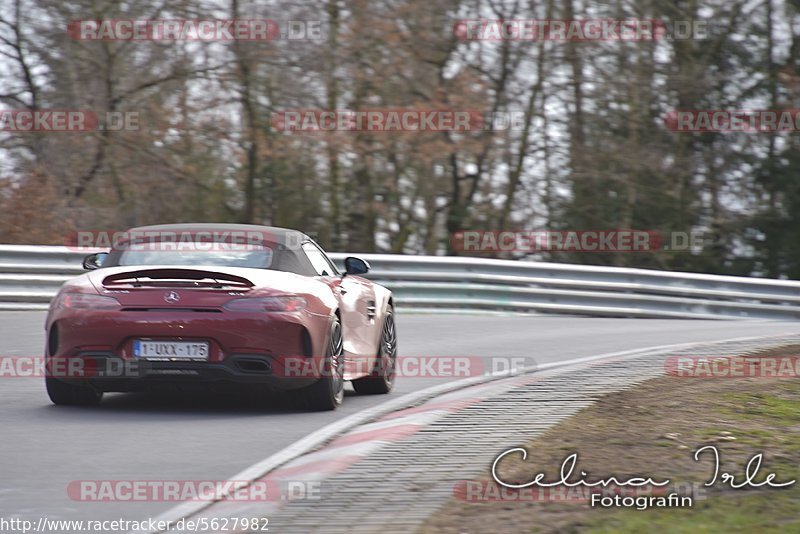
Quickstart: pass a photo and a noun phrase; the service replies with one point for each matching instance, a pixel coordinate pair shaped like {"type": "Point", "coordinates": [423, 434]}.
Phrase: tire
{"type": "Point", "coordinates": [381, 380]}
{"type": "Point", "coordinates": [63, 394]}
{"type": "Point", "coordinates": [327, 393]}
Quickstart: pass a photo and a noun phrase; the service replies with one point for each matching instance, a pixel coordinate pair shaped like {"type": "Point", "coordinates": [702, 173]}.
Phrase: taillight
{"type": "Point", "coordinates": [86, 301]}
{"type": "Point", "coordinates": [267, 304]}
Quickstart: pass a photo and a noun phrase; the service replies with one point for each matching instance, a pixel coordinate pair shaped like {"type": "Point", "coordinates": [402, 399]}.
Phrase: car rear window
{"type": "Point", "coordinates": [258, 258]}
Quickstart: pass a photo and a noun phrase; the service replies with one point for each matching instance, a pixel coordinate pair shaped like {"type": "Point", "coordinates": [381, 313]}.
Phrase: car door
{"type": "Point", "coordinates": [356, 306]}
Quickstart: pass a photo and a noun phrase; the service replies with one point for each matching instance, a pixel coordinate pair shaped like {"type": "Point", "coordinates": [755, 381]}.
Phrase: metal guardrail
{"type": "Point", "coordinates": [31, 275]}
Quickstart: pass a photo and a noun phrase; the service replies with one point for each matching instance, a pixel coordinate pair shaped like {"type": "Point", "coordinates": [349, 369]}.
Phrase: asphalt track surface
{"type": "Point", "coordinates": [178, 437]}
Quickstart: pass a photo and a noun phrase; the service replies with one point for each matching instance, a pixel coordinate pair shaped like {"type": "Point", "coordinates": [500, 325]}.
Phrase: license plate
{"type": "Point", "coordinates": [170, 349]}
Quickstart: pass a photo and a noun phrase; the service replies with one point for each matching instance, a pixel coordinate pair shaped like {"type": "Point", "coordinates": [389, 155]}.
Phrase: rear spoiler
{"type": "Point", "coordinates": [172, 277]}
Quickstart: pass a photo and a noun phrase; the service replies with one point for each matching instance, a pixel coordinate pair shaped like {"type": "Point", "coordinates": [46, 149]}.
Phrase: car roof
{"type": "Point", "coordinates": [288, 257]}
{"type": "Point", "coordinates": [284, 236]}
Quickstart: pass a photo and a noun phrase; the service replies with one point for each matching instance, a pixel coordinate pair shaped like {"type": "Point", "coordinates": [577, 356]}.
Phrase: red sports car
{"type": "Point", "coordinates": [220, 306]}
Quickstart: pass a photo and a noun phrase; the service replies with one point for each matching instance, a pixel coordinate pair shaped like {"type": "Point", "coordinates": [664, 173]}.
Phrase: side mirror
{"type": "Point", "coordinates": [94, 261]}
{"type": "Point", "coordinates": [353, 265]}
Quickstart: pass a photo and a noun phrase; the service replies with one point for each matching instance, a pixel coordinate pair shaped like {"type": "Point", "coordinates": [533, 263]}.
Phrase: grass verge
{"type": "Point", "coordinates": [653, 430]}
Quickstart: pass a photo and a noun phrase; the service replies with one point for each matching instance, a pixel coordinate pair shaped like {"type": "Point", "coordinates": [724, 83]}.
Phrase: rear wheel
{"type": "Point", "coordinates": [382, 378]}
{"type": "Point", "coordinates": [327, 393]}
{"type": "Point", "coordinates": [65, 394]}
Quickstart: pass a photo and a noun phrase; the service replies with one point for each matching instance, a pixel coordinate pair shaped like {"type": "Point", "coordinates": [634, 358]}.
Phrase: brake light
{"type": "Point", "coordinates": [267, 304]}
{"type": "Point", "coordinates": [87, 301]}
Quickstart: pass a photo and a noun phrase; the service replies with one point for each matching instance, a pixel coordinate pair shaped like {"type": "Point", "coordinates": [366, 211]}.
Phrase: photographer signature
{"type": "Point", "coordinates": [750, 472]}
{"type": "Point", "coordinates": [568, 467]}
